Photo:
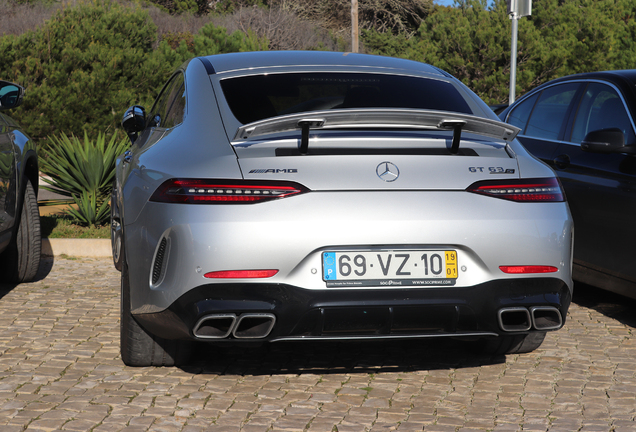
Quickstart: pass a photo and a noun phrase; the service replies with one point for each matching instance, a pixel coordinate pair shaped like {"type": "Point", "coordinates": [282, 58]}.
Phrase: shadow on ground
{"type": "Point", "coordinates": [338, 357]}
{"type": "Point", "coordinates": [612, 305]}
{"type": "Point", "coordinates": [46, 265]}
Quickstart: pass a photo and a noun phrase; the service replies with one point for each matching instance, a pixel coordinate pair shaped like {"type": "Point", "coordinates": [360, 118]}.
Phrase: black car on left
{"type": "Point", "coordinates": [583, 127]}
{"type": "Point", "coordinates": [20, 240]}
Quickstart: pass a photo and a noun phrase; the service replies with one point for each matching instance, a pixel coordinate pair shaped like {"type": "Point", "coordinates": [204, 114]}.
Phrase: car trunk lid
{"type": "Point", "coordinates": [366, 149]}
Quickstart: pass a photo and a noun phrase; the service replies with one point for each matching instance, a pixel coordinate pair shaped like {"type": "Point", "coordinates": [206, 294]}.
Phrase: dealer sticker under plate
{"type": "Point", "coordinates": [389, 268]}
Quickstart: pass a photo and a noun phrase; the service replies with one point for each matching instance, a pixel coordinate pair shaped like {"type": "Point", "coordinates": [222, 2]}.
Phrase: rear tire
{"type": "Point", "coordinates": [21, 260]}
{"type": "Point", "coordinates": [517, 344]}
{"type": "Point", "coordinates": [138, 347]}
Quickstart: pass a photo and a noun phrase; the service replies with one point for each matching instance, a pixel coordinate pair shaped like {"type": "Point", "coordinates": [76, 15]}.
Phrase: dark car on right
{"type": "Point", "coordinates": [583, 127]}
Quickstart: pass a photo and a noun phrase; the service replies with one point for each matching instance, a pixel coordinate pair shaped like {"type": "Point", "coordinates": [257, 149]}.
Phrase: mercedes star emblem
{"type": "Point", "coordinates": [387, 171]}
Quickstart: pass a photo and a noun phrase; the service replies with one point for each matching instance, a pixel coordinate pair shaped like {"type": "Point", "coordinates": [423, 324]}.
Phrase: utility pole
{"type": "Point", "coordinates": [516, 10]}
{"type": "Point", "coordinates": [354, 26]}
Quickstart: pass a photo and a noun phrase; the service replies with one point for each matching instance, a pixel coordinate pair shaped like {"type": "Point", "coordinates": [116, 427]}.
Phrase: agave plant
{"type": "Point", "coordinates": [84, 171]}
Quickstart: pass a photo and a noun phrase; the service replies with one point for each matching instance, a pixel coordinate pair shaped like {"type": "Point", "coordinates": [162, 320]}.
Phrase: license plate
{"type": "Point", "coordinates": [389, 268]}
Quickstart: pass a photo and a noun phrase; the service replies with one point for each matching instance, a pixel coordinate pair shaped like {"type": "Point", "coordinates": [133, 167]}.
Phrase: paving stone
{"type": "Point", "coordinates": [60, 370]}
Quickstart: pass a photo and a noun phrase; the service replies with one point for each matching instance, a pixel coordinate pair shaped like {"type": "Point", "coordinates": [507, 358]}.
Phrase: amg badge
{"type": "Point", "coordinates": [274, 171]}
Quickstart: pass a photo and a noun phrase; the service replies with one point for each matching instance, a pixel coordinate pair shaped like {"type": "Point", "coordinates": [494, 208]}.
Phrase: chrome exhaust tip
{"type": "Point", "coordinates": [216, 326]}
{"type": "Point", "coordinates": [546, 318]}
{"type": "Point", "coordinates": [514, 319]}
{"type": "Point", "coordinates": [254, 326]}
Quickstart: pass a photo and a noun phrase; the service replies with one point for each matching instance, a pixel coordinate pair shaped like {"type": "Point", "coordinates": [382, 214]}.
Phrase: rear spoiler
{"type": "Point", "coordinates": [378, 118]}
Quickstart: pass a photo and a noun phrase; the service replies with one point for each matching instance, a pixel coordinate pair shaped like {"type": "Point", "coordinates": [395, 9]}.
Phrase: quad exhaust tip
{"type": "Point", "coordinates": [546, 318]}
{"type": "Point", "coordinates": [515, 319]}
{"type": "Point", "coordinates": [254, 326]}
{"type": "Point", "coordinates": [217, 326]}
{"type": "Point", "coordinates": [521, 319]}
{"type": "Point", "coordinates": [245, 326]}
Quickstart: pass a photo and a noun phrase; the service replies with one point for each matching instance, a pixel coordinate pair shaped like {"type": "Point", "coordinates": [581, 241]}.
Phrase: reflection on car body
{"type": "Point", "coordinates": [282, 196]}
{"type": "Point", "coordinates": [582, 125]}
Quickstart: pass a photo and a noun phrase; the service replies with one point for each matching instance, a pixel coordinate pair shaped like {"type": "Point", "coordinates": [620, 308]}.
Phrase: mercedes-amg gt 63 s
{"type": "Point", "coordinates": [303, 196]}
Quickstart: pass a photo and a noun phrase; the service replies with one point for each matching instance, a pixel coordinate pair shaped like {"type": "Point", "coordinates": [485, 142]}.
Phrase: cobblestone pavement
{"type": "Point", "coordinates": [60, 370]}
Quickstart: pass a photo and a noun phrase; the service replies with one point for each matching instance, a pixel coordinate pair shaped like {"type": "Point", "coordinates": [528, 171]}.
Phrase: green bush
{"type": "Point", "coordinates": [84, 171]}
{"type": "Point", "coordinates": [472, 41]}
{"type": "Point", "coordinates": [214, 40]}
{"type": "Point", "coordinates": [90, 62]}
{"type": "Point", "coordinates": [80, 67]}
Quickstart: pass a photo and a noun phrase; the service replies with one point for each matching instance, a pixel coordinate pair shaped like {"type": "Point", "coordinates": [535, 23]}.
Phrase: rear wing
{"type": "Point", "coordinates": [378, 118]}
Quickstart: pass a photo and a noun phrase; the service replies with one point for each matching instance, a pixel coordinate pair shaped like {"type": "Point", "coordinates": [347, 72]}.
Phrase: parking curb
{"type": "Point", "coordinates": [76, 247]}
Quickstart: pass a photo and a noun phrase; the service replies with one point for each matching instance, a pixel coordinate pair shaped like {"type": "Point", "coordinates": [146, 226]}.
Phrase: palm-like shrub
{"type": "Point", "coordinates": [83, 170]}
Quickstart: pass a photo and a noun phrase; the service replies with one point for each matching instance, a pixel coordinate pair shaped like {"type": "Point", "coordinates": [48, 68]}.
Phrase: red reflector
{"type": "Point", "coordinates": [241, 274]}
{"type": "Point", "coordinates": [197, 191]}
{"type": "Point", "coordinates": [528, 269]}
{"type": "Point", "coordinates": [525, 190]}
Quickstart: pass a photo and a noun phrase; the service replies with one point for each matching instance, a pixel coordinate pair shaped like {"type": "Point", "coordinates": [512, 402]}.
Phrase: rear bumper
{"type": "Point", "coordinates": [276, 312]}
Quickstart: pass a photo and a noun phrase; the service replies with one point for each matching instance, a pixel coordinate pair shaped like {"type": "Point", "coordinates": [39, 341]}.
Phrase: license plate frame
{"type": "Point", "coordinates": [389, 268]}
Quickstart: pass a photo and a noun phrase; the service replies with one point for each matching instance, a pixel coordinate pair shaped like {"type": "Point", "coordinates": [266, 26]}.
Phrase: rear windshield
{"type": "Point", "coordinates": [258, 97]}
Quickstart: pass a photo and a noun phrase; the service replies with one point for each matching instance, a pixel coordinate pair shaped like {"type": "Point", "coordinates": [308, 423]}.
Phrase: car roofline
{"type": "Point", "coordinates": [252, 61]}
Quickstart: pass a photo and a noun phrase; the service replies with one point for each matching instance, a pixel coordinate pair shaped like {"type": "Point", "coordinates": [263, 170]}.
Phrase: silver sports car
{"type": "Point", "coordinates": [288, 196]}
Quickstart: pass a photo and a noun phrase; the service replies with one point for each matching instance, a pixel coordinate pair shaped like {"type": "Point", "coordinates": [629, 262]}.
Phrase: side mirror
{"type": "Point", "coordinates": [10, 95]}
{"type": "Point", "coordinates": [610, 140]}
{"type": "Point", "coordinates": [134, 121]}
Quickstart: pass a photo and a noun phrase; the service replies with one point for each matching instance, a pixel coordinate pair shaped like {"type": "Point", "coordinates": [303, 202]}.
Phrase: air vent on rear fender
{"type": "Point", "coordinates": [159, 258]}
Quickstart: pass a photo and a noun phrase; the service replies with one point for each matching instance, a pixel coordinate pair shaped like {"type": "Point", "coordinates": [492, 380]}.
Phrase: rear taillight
{"type": "Point", "coordinates": [195, 191]}
{"type": "Point", "coordinates": [524, 190]}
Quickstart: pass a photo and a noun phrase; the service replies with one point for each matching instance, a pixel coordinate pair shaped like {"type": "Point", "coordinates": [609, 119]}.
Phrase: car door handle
{"type": "Point", "coordinates": [127, 156]}
{"type": "Point", "coordinates": [561, 161]}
